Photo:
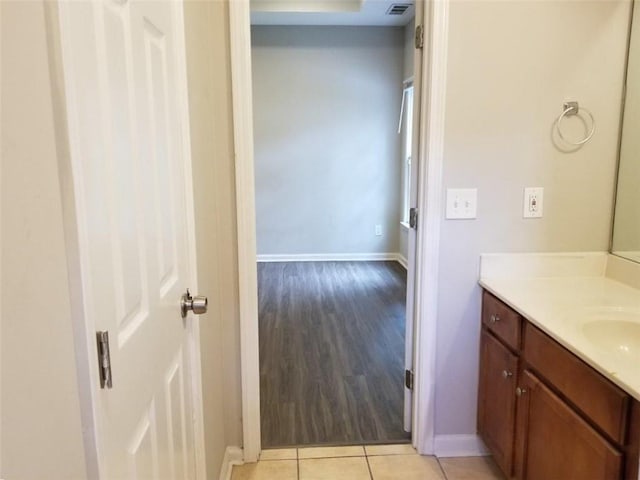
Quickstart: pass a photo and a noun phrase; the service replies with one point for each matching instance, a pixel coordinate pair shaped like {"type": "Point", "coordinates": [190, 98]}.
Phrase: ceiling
{"type": "Point", "coordinates": [329, 12]}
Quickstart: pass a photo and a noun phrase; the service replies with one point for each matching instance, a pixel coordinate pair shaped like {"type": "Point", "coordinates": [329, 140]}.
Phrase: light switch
{"type": "Point", "coordinates": [533, 202]}
{"type": "Point", "coordinates": [462, 203]}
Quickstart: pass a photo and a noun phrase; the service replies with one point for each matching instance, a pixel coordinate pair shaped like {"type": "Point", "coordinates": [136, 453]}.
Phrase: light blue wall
{"type": "Point", "coordinates": [327, 150]}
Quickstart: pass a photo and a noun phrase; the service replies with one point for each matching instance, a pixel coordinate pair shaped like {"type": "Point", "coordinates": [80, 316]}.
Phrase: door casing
{"type": "Point", "coordinates": [430, 204]}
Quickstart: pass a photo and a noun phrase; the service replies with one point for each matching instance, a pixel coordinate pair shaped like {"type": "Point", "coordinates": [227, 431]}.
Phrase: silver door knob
{"type": "Point", "coordinates": [520, 391]}
{"type": "Point", "coordinates": [197, 304]}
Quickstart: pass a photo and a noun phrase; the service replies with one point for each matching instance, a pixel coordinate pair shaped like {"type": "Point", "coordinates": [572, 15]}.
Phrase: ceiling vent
{"type": "Point", "coordinates": [398, 8]}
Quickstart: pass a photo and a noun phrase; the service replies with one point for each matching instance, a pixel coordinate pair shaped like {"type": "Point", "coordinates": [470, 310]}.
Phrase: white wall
{"type": "Point", "coordinates": [211, 118]}
{"type": "Point", "coordinates": [40, 418]}
{"type": "Point", "coordinates": [408, 49]}
{"type": "Point", "coordinates": [510, 66]}
{"type": "Point", "coordinates": [327, 151]}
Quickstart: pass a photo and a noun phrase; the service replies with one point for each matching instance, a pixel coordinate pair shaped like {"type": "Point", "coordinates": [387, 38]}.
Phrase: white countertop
{"type": "Point", "coordinates": [561, 293]}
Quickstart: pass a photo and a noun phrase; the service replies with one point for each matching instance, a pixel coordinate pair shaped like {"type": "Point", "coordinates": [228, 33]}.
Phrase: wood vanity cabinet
{"type": "Point", "coordinates": [553, 441]}
{"type": "Point", "coordinates": [497, 412]}
{"type": "Point", "coordinates": [543, 413]}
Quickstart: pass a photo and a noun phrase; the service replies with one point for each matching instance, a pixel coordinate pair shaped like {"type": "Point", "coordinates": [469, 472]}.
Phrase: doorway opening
{"type": "Point", "coordinates": [333, 117]}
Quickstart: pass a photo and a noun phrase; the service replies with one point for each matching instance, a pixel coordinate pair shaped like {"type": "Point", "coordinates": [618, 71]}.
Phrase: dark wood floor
{"type": "Point", "coordinates": [331, 352]}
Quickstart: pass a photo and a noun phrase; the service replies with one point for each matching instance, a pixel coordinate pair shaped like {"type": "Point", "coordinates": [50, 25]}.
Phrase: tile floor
{"type": "Point", "coordinates": [371, 462]}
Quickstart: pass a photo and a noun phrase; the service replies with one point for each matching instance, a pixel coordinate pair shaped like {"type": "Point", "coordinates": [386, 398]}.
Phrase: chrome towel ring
{"type": "Point", "coordinates": [570, 109]}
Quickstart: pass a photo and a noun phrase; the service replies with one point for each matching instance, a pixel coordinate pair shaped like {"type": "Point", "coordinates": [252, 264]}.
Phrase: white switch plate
{"type": "Point", "coordinates": [378, 230]}
{"type": "Point", "coordinates": [533, 202]}
{"type": "Point", "coordinates": [462, 203]}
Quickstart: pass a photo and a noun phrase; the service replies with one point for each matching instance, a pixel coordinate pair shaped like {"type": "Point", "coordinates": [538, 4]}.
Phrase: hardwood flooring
{"type": "Point", "coordinates": [331, 352]}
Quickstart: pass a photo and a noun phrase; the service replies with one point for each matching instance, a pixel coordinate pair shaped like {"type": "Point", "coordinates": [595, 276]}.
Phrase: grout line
{"type": "Point", "coordinates": [369, 467]}
{"type": "Point", "coordinates": [332, 456]}
{"type": "Point", "coordinates": [262, 459]}
{"type": "Point", "coordinates": [297, 464]}
{"type": "Point", "coordinates": [363, 454]}
{"type": "Point", "coordinates": [444, 474]}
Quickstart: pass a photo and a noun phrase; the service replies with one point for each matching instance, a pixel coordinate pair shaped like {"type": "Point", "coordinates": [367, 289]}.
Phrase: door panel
{"type": "Point", "coordinates": [129, 162]}
{"type": "Point", "coordinates": [497, 400]}
{"type": "Point", "coordinates": [177, 419]}
{"type": "Point", "coordinates": [410, 321]}
{"type": "Point", "coordinates": [143, 447]}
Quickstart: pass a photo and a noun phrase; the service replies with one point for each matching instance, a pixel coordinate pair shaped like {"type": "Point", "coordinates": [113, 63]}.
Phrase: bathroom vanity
{"type": "Point", "coordinates": [559, 384]}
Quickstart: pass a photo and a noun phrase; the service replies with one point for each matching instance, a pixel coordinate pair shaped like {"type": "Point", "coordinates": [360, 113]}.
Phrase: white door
{"type": "Point", "coordinates": [124, 73]}
{"type": "Point", "coordinates": [412, 95]}
{"type": "Point", "coordinates": [409, 185]}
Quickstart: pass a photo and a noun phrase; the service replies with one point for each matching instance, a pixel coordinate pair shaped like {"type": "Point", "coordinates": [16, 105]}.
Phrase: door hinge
{"type": "Point", "coordinates": [413, 218]}
{"type": "Point", "coordinates": [104, 359]}
{"type": "Point", "coordinates": [419, 36]}
{"type": "Point", "coordinates": [408, 379]}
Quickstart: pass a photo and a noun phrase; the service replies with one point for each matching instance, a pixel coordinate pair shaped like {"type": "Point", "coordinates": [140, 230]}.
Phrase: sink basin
{"type": "Point", "coordinates": [619, 337]}
{"type": "Point", "coordinates": [607, 314]}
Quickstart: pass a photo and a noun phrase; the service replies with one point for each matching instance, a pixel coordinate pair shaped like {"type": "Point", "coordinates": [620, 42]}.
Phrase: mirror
{"type": "Point", "coordinates": [626, 227]}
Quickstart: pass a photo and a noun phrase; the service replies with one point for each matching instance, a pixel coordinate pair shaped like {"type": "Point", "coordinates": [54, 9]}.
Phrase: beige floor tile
{"type": "Point", "coordinates": [405, 467]}
{"type": "Point", "coordinates": [279, 454]}
{"type": "Point", "coordinates": [471, 468]}
{"type": "Point", "coordinates": [348, 468]}
{"type": "Point", "coordinates": [273, 470]}
{"type": "Point", "coordinates": [397, 449]}
{"type": "Point", "coordinates": [328, 452]}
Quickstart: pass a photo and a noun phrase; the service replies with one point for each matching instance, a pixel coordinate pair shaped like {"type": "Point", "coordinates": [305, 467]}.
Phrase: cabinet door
{"type": "Point", "coordinates": [554, 442]}
{"type": "Point", "coordinates": [496, 399]}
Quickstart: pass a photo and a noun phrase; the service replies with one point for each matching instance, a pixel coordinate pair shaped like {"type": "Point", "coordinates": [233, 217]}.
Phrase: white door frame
{"type": "Point", "coordinates": [240, 42]}
{"type": "Point", "coordinates": [430, 207]}
{"type": "Point", "coordinates": [430, 204]}
{"type": "Point", "coordinates": [83, 326]}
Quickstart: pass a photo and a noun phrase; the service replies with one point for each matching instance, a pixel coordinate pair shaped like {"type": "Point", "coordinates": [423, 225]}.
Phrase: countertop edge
{"type": "Point", "coordinates": [562, 341]}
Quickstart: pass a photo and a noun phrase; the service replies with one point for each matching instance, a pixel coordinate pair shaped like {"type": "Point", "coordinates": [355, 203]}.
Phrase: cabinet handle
{"type": "Point", "coordinates": [520, 391]}
{"type": "Point", "coordinates": [494, 318]}
{"type": "Point", "coordinates": [506, 374]}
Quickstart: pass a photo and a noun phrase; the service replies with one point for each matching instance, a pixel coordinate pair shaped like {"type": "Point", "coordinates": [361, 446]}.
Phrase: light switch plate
{"type": "Point", "coordinates": [533, 202]}
{"type": "Point", "coordinates": [462, 203]}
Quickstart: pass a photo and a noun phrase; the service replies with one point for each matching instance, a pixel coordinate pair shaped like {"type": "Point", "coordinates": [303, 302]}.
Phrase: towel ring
{"type": "Point", "coordinates": [571, 109]}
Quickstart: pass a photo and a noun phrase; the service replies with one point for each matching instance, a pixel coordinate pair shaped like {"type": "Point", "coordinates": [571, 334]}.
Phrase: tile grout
{"type": "Point", "coordinates": [444, 473]}
{"type": "Point", "coordinates": [368, 464]}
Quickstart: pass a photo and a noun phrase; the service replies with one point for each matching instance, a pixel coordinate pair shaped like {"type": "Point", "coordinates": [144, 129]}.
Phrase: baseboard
{"type": "Point", "coordinates": [232, 456]}
{"type": "Point", "coordinates": [402, 260]}
{"type": "Point", "coordinates": [459, 446]}
{"type": "Point", "coordinates": [330, 257]}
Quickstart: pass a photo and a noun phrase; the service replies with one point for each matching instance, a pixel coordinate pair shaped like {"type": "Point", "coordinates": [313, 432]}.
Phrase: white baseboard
{"type": "Point", "coordinates": [330, 257]}
{"type": "Point", "coordinates": [402, 261]}
{"type": "Point", "coordinates": [232, 456]}
{"type": "Point", "coordinates": [459, 446]}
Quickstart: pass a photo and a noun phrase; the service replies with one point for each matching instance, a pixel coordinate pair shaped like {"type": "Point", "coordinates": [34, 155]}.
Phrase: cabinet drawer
{"type": "Point", "coordinates": [600, 400]}
{"type": "Point", "coordinates": [504, 322]}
